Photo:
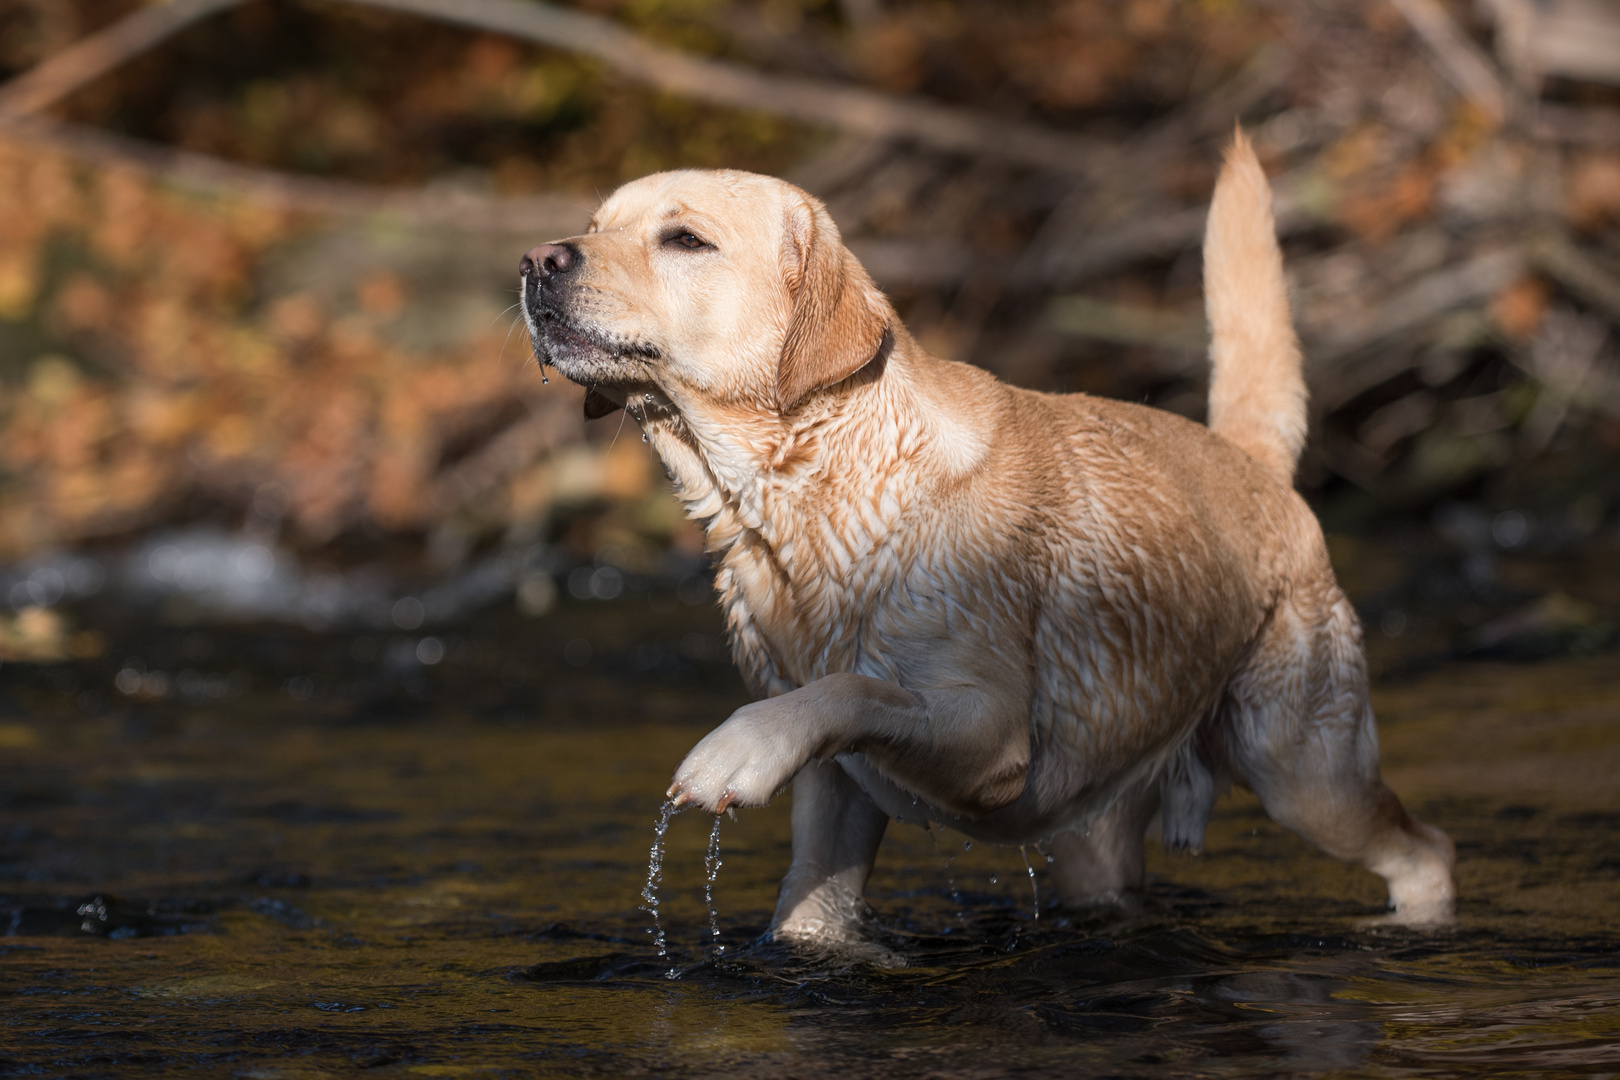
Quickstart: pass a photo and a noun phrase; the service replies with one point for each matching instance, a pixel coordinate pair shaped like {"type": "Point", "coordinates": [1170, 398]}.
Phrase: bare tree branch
{"type": "Point", "coordinates": [542, 216]}
{"type": "Point", "coordinates": [1462, 62]}
{"type": "Point", "coordinates": [1576, 124]}
{"type": "Point", "coordinates": [1472, 282]}
{"type": "Point", "coordinates": [1157, 234]}
{"type": "Point", "coordinates": [1578, 272]}
{"type": "Point", "coordinates": [1128, 324]}
{"type": "Point", "coordinates": [92, 57]}
{"type": "Point", "coordinates": [720, 82]}
{"type": "Point", "coordinates": [553, 420]}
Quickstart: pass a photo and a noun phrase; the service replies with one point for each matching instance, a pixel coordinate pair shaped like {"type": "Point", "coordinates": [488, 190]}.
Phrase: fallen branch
{"type": "Point", "coordinates": [720, 82]}
{"type": "Point", "coordinates": [1070, 224]}
{"type": "Point", "coordinates": [908, 263]}
{"type": "Point", "coordinates": [1578, 272]}
{"type": "Point", "coordinates": [928, 263]}
{"type": "Point", "coordinates": [1575, 124]}
{"type": "Point", "coordinates": [1559, 39]}
{"type": "Point", "coordinates": [92, 57]}
{"type": "Point", "coordinates": [542, 216]}
{"type": "Point", "coordinates": [553, 420]}
{"type": "Point", "coordinates": [1152, 235]}
{"type": "Point", "coordinates": [1462, 62]}
{"type": "Point", "coordinates": [1128, 324]}
{"type": "Point", "coordinates": [913, 264]}
{"type": "Point", "coordinates": [1335, 385]}
{"type": "Point", "coordinates": [1472, 282]}
{"type": "Point", "coordinates": [1563, 359]}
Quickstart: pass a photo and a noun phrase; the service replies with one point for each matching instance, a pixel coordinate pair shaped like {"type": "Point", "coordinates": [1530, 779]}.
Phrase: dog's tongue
{"type": "Point", "coordinates": [598, 405]}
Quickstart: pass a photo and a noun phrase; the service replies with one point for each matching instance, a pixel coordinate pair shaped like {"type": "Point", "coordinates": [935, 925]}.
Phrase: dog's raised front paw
{"type": "Point", "coordinates": [743, 762]}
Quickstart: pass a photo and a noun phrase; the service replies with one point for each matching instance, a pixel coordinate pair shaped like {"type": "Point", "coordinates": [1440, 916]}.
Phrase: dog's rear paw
{"type": "Point", "coordinates": [1422, 889]}
{"type": "Point", "coordinates": [841, 951]}
{"type": "Point", "coordinates": [839, 931]}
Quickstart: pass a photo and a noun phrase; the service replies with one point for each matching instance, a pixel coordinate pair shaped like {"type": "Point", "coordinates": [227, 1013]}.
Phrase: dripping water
{"type": "Point", "coordinates": [1034, 889]}
{"type": "Point", "coordinates": [655, 878]}
{"type": "Point", "coordinates": [947, 859]}
{"type": "Point", "coordinates": [711, 865]}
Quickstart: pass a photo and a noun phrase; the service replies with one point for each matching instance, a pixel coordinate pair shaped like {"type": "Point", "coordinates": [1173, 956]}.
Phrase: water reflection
{"type": "Point", "coordinates": [268, 877]}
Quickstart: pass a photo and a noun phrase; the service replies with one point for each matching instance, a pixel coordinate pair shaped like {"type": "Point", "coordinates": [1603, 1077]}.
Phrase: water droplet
{"type": "Point", "coordinates": [1034, 890]}
{"type": "Point", "coordinates": [967, 845]}
{"type": "Point", "coordinates": [993, 880]}
{"type": "Point", "coordinates": [644, 437]}
{"type": "Point", "coordinates": [647, 397]}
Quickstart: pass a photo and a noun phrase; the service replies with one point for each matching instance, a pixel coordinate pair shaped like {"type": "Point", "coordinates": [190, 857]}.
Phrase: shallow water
{"type": "Point", "coordinates": [438, 872]}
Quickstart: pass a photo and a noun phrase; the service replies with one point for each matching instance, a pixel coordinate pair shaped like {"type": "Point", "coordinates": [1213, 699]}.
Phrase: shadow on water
{"type": "Point", "coordinates": [351, 863]}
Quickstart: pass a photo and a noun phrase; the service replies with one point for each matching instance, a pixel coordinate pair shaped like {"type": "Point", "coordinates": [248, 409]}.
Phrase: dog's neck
{"type": "Point", "coordinates": [800, 510]}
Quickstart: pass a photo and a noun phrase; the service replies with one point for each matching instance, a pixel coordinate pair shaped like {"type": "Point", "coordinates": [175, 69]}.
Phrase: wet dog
{"type": "Point", "coordinates": [1030, 617]}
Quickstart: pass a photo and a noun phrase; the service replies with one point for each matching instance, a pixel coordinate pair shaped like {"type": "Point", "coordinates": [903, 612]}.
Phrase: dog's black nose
{"type": "Point", "coordinates": [549, 260]}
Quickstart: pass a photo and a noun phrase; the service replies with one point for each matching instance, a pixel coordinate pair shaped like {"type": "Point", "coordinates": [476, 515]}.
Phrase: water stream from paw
{"type": "Point", "coordinates": [655, 878]}
{"type": "Point", "coordinates": [1034, 890]}
{"type": "Point", "coordinates": [711, 869]}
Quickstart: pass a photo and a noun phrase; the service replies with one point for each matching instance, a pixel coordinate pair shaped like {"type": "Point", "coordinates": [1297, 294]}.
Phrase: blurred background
{"type": "Point", "coordinates": [262, 380]}
{"type": "Point", "coordinates": [343, 664]}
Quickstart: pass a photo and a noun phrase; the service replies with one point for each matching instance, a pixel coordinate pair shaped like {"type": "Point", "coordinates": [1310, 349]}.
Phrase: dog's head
{"type": "Point", "coordinates": [722, 287]}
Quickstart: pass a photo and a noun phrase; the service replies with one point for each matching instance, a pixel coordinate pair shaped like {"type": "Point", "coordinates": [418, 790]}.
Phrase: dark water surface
{"type": "Point", "coordinates": [435, 871]}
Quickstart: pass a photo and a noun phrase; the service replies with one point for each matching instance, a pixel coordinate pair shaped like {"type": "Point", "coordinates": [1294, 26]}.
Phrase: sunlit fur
{"type": "Point", "coordinates": [1033, 617]}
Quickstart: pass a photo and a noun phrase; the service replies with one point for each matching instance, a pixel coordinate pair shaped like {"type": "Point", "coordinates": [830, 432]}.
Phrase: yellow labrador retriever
{"type": "Point", "coordinates": [1031, 617]}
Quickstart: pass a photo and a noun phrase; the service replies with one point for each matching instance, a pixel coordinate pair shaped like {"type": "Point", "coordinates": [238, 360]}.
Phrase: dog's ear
{"type": "Point", "coordinates": [839, 317]}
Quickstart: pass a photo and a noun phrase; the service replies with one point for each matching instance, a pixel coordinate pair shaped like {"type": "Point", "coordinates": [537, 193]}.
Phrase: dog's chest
{"type": "Point", "coordinates": [860, 587]}
{"type": "Point", "coordinates": [830, 568]}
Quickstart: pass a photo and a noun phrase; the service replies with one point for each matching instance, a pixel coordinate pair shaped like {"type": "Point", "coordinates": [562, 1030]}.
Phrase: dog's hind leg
{"type": "Point", "coordinates": [1300, 733]}
{"type": "Point", "coordinates": [1105, 863]}
{"type": "Point", "coordinates": [836, 831]}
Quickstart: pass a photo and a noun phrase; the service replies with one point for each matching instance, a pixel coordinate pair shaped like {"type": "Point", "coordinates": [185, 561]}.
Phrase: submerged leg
{"type": "Point", "coordinates": [1105, 864]}
{"type": "Point", "coordinates": [1300, 732]}
{"type": "Point", "coordinates": [836, 832]}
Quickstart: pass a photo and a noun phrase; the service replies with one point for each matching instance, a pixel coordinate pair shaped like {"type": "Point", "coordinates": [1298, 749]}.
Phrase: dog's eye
{"type": "Point", "coordinates": [687, 239]}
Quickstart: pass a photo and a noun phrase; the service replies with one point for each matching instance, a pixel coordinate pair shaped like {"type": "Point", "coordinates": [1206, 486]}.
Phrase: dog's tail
{"type": "Point", "coordinates": [1257, 388]}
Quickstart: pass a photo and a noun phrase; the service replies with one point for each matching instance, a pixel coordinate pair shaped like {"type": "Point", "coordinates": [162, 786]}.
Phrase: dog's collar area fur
{"type": "Point", "coordinates": [801, 510]}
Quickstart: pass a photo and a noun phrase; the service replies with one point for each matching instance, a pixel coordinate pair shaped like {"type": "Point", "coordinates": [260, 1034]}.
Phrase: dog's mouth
{"type": "Point", "coordinates": [583, 354]}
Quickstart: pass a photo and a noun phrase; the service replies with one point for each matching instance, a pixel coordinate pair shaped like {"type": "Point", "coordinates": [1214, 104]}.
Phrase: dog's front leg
{"type": "Point", "coordinates": [836, 832]}
{"type": "Point", "coordinates": [961, 748]}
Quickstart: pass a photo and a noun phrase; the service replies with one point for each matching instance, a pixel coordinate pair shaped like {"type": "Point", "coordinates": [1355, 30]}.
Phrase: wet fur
{"type": "Point", "coordinates": [1032, 617]}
